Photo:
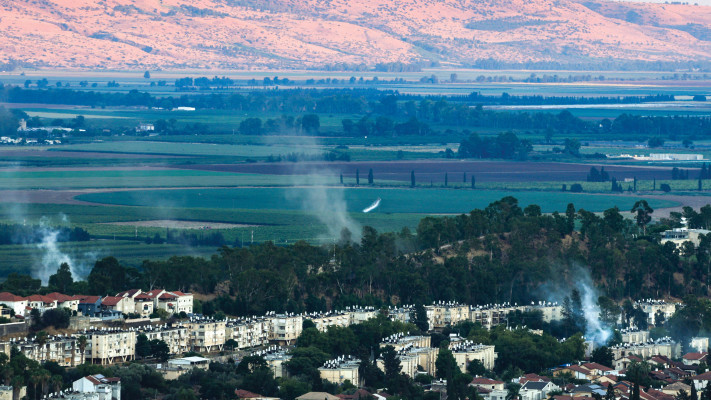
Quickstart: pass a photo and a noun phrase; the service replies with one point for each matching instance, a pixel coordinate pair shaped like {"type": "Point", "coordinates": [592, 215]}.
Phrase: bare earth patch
{"type": "Point", "coordinates": [177, 224]}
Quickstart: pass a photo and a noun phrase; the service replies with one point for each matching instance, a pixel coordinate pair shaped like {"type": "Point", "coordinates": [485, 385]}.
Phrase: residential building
{"type": "Point", "coordinates": [550, 311]}
{"type": "Point", "coordinates": [41, 303]}
{"type": "Point", "coordinates": [651, 307]}
{"type": "Point", "coordinates": [190, 362]}
{"type": "Point", "coordinates": [248, 332]}
{"type": "Point", "coordinates": [63, 350]}
{"type": "Point", "coordinates": [64, 301]}
{"type": "Point", "coordinates": [361, 314]}
{"type": "Point", "coordinates": [695, 358]}
{"type": "Point", "coordinates": [491, 315]}
{"type": "Point", "coordinates": [285, 328]}
{"type": "Point", "coordinates": [89, 306]}
{"type": "Point", "coordinates": [468, 351]}
{"type": "Point", "coordinates": [107, 388]}
{"type": "Point", "coordinates": [443, 314]}
{"type": "Point", "coordinates": [700, 381]}
{"type": "Point", "coordinates": [110, 345]}
{"type": "Point", "coordinates": [17, 303]}
{"type": "Point", "coordinates": [325, 320]}
{"type": "Point", "coordinates": [275, 357]}
{"type": "Point", "coordinates": [401, 340]}
{"type": "Point", "coordinates": [634, 336]}
{"type": "Point", "coordinates": [206, 335]}
{"type": "Point", "coordinates": [487, 383]}
{"type": "Point", "coordinates": [537, 390]}
{"type": "Point", "coordinates": [123, 305]}
{"type": "Point", "coordinates": [175, 336]}
{"type": "Point", "coordinates": [700, 344]}
{"type": "Point", "coordinates": [339, 370]}
{"type": "Point", "coordinates": [663, 347]}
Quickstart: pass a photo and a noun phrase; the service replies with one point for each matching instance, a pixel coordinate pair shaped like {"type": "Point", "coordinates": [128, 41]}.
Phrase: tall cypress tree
{"type": "Point", "coordinates": [370, 176]}
{"type": "Point", "coordinates": [341, 179]}
{"type": "Point", "coordinates": [464, 177]}
{"type": "Point", "coordinates": [473, 182]}
{"type": "Point", "coordinates": [357, 177]}
{"type": "Point", "coordinates": [412, 178]}
{"type": "Point", "coordinates": [445, 179]}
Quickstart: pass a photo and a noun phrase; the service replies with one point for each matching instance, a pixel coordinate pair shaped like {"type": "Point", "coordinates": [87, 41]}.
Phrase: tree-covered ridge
{"type": "Point", "coordinates": [502, 253]}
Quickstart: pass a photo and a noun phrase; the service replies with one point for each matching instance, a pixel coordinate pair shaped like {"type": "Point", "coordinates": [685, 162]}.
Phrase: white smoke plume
{"type": "Point", "coordinates": [325, 202]}
{"type": "Point", "coordinates": [319, 194]}
{"type": "Point", "coordinates": [51, 256]}
{"type": "Point", "coordinates": [579, 278]}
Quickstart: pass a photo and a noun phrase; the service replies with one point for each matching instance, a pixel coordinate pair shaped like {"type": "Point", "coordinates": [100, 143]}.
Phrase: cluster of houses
{"type": "Point", "coordinates": [130, 302]}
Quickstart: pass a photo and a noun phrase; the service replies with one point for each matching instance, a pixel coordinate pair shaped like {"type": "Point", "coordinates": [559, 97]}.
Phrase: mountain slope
{"type": "Point", "coordinates": [140, 34]}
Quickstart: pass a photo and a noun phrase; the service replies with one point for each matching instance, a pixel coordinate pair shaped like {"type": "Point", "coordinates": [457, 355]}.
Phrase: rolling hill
{"type": "Point", "coordinates": [257, 34]}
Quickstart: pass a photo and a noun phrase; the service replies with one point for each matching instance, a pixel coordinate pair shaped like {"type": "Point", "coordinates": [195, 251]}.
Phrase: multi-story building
{"type": "Point", "coordinates": [467, 351]}
{"type": "Point", "coordinates": [248, 332]}
{"type": "Point", "coordinates": [175, 336]}
{"type": "Point", "coordinates": [550, 311]}
{"type": "Point", "coordinates": [651, 307]}
{"type": "Point", "coordinates": [443, 314]}
{"type": "Point", "coordinates": [634, 336]}
{"type": "Point", "coordinates": [63, 350]}
{"type": "Point", "coordinates": [64, 301]}
{"type": "Point", "coordinates": [402, 340]}
{"type": "Point", "coordinates": [361, 314]}
{"type": "Point", "coordinates": [341, 369]}
{"type": "Point", "coordinates": [276, 357]}
{"type": "Point", "coordinates": [285, 328]}
{"type": "Point", "coordinates": [401, 314]}
{"type": "Point", "coordinates": [110, 345]}
{"type": "Point", "coordinates": [492, 314]}
{"type": "Point", "coordinates": [324, 320]}
{"type": "Point", "coordinates": [206, 335]}
{"type": "Point", "coordinates": [124, 305]}
{"type": "Point", "coordinates": [660, 347]}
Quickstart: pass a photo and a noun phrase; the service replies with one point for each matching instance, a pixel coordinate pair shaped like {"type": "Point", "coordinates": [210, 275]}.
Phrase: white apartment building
{"type": "Point", "coordinates": [176, 336]}
{"type": "Point", "coordinates": [110, 345]}
{"type": "Point", "coordinates": [206, 335]}
{"type": "Point", "coordinates": [285, 328]}
{"type": "Point", "coordinates": [467, 351]}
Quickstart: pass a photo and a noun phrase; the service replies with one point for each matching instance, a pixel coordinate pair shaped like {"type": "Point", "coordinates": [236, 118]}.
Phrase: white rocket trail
{"type": "Point", "coordinates": [372, 206]}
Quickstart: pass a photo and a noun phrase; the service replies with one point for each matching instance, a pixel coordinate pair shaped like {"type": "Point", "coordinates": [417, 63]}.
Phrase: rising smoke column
{"type": "Point", "coordinates": [51, 256]}
{"type": "Point", "coordinates": [579, 278]}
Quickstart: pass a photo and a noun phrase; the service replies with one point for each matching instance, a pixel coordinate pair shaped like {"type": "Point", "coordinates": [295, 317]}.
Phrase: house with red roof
{"type": "Point", "coordinates": [695, 358]}
{"type": "Point", "coordinates": [578, 372]}
{"type": "Point", "coordinates": [487, 383]}
{"type": "Point", "coordinates": [64, 301]}
{"type": "Point", "coordinates": [123, 305]}
{"type": "Point", "coordinates": [171, 301]}
{"type": "Point", "coordinates": [700, 381]}
{"type": "Point", "coordinates": [103, 387]}
{"type": "Point", "coordinates": [16, 303]}
{"type": "Point", "coordinates": [40, 302]}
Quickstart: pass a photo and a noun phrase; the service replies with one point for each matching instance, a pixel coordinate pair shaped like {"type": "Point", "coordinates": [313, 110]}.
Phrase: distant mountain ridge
{"type": "Point", "coordinates": [256, 34]}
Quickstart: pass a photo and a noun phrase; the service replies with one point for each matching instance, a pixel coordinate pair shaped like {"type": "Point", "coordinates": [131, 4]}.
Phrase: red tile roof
{"type": "Point", "coordinates": [485, 381]}
{"type": "Point", "coordinates": [6, 296]}
{"type": "Point", "coordinates": [706, 376]}
{"type": "Point", "coordinates": [39, 297]}
{"type": "Point", "coordinates": [695, 356]}
{"type": "Point", "coordinates": [111, 300]}
{"type": "Point", "coordinates": [60, 297]}
{"type": "Point", "coordinates": [167, 296]}
{"type": "Point", "coordinates": [88, 299]}
{"type": "Point", "coordinates": [143, 296]}
{"type": "Point", "coordinates": [178, 293]}
{"type": "Point", "coordinates": [578, 368]}
{"type": "Point", "coordinates": [599, 367]}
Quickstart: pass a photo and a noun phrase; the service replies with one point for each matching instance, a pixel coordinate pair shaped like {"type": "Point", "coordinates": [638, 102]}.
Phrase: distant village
{"type": "Point", "coordinates": [105, 330]}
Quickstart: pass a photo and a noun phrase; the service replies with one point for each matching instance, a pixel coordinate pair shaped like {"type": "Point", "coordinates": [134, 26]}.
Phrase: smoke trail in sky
{"type": "Point", "coordinates": [372, 206]}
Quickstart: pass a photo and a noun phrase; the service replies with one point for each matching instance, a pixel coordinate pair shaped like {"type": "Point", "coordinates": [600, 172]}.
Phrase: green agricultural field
{"type": "Point", "coordinates": [331, 199]}
{"type": "Point", "coordinates": [137, 178]}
